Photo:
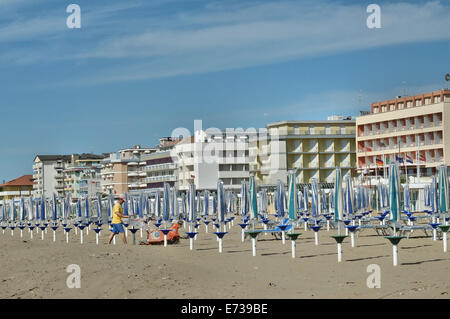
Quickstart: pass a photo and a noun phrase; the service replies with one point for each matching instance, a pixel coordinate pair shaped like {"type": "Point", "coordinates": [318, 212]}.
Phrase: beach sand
{"type": "Point", "coordinates": [37, 268]}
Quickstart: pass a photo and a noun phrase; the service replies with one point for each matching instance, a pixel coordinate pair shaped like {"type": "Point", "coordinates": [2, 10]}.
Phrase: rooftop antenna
{"type": "Point", "coordinates": [404, 88]}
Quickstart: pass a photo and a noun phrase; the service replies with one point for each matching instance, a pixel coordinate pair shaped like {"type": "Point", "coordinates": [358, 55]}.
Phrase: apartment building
{"type": "Point", "coordinates": [312, 148]}
{"type": "Point", "coordinates": [123, 171]}
{"type": "Point", "coordinates": [16, 188]}
{"type": "Point", "coordinates": [82, 177]}
{"type": "Point", "coordinates": [48, 174]}
{"type": "Point", "coordinates": [160, 166]}
{"type": "Point", "coordinates": [211, 155]}
{"type": "Point", "coordinates": [412, 130]}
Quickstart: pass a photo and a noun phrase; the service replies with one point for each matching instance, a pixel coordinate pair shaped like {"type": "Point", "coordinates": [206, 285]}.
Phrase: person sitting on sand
{"type": "Point", "coordinates": [117, 225]}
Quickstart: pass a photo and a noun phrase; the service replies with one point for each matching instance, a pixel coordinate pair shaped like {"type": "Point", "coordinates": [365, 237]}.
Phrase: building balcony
{"type": "Point", "coordinates": [160, 167]}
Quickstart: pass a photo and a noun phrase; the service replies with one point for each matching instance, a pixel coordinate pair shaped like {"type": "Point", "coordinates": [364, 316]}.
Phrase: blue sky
{"type": "Point", "coordinates": [138, 69]}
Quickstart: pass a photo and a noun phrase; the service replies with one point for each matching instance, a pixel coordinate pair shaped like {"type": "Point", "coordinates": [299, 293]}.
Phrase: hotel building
{"type": "Point", "coordinates": [160, 166]}
{"type": "Point", "coordinates": [312, 148]}
{"type": "Point", "coordinates": [48, 174]}
{"type": "Point", "coordinates": [211, 155]}
{"type": "Point", "coordinates": [123, 171]}
{"type": "Point", "coordinates": [413, 130]}
{"type": "Point", "coordinates": [16, 188]}
{"type": "Point", "coordinates": [82, 177]}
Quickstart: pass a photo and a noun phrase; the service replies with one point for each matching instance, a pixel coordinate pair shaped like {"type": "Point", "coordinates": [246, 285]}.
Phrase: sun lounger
{"type": "Point", "coordinates": [409, 229]}
{"type": "Point", "coordinates": [379, 229]}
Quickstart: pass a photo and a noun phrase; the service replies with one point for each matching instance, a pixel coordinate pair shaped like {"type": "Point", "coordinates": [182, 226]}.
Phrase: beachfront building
{"type": "Point", "coordinates": [123, 171]}
{"type": "Point", "coordinates": [312, 148]}
{"type": "Point", "coordinates": [48, 174]}
{"type": "Point", "coordinates": [82, 176]}
{"type": "Point", "coordinates": [16, 188]}
{"type": "Point", "coordinates": [412, 130]}
{"type": "Point", "coordinates": [211, 155]}
{"type": "Point", "coordinates": [160, 166]}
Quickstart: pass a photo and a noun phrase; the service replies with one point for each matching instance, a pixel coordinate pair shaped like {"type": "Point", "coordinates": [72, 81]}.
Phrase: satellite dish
{"type": "Point", "coordinates": [447, 77]}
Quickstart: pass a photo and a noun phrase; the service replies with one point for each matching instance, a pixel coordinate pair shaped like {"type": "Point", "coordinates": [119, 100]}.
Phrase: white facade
{"type": "Point", "coordinates": [48, 175]}
{"type": "Point", "coordinates": [210, 156]}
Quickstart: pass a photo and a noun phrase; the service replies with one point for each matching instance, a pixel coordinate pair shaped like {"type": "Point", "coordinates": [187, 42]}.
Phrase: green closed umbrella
{"type": "Point", "coordinates": [394, 192]}
{"type": "Point", "coordinates": [292, 196]}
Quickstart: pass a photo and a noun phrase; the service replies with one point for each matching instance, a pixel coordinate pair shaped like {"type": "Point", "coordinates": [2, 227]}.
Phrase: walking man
{"type": "Point", "coordinates": [117, 225]}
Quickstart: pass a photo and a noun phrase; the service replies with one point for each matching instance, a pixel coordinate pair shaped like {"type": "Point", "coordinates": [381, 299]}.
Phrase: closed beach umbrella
{"type": "Point", "coordinates": [191, 211]}
{"type": "Point", "coordinates": [305, 198]}
{"type": "Point", "coordinates": [206, 202]}
{"type": "Point", "coordinates": [79, 209]}
{"type": "Point", "coordinates": [244, 200]}
{"type": "Point", "coordinates": [166, 202]}
{"type": "Point", "coordinates": [443, 190]}
{"type": "Point", "coordinates": [221, 206]}
{"type": "Point", "coordinates": [253, 198]}
{"type": "Point", "coordinates": [338, 197]}
{"type": "Point", "coordinates": [86, 207]}
{"type": "Point", "coordinates": [314, 198]}
{"type": "Point", "coordinates": [280, 199]}
{"type": "Point", "coordinates": [292, 207]}
{"type": "Point", "coordinates": [42, 208]}
{"type": "Point", "coordinates": [348, 196]}
{"type": "Point", "coordinates": [406, 197]}
{"type": "Point", "coordinates": [174, 203]}
{"type": "Point", "coordinates": [157, 205]}
{"type": "Point", "coordinates": [22, 209]}
{"type": "Point", "coordinates": [54, 202]}
{"type": "Point", "coordinates": [394, 198]}
{"type": "Point", "coordinates": [99, 207]}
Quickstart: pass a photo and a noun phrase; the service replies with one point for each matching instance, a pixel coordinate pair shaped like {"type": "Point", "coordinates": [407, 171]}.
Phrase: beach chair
{"type": "Point", "coordinates": [409, 229]}
{"type": "Point", "coordinates": [276, 232]}
{"type": "Point", "coordinates": [381, 230]}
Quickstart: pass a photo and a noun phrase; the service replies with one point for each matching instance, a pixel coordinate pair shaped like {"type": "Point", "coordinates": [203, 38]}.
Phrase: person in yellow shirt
{"type": "Point", "coordinates": [116, 224]}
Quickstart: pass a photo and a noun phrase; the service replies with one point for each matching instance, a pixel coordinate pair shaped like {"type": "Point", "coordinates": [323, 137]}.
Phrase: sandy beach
{"type": "Point", "coordinates": [37, 268]}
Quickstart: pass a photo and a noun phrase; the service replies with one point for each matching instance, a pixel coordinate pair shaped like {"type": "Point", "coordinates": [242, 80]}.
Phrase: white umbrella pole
{"type": "Point", "coordinates": [283, 237]}
{"type": "Point", "coordinates": [42, 235]}
{"type": "Point", "coordinates": [339, 247]}
{"type": "Point", "coordinates": [220, 245]}
{"type": "Point", "coordinates": [434, 234]}
{"type": "Point", "coordinates": [21, 233]}
{"type": "Point", "coordinates": [305, 226]}
{"type": "Point", "coordinates": [81, 236]}
{"type": "Point", "coordinates": [31, 234]}
{"type": "Point", "coordinates": [206, 229]}
{"type": "Point", "coordinates": [352, 237]}
{"type": "Point", "coordinates": [293, 248]}
{"type": "Point", "coordinates": [395, 254]}
{"type": "Point", "coordinates": [265, 228]}
{"type": "Point", "coordinates": [141, 232]}
{"type": "Point", "coordinates": [54, 236]}
{"type": "Point", "coordinates": [242, 234]}
{"type": "Point", "coordinates": [254, 246]}
{"type": "Point", "coordinates": [328, 225]}
{"type": "Point", "coordinates": [191, 243]}
{"type": "Point", "coordinates": [96, 238]}
{"type": "Point", "coordinates": [165, 240]}
{"type": "Point", "coordinates": [445, 241]}
{"type": "Point", "coordinates": [316, 238]}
